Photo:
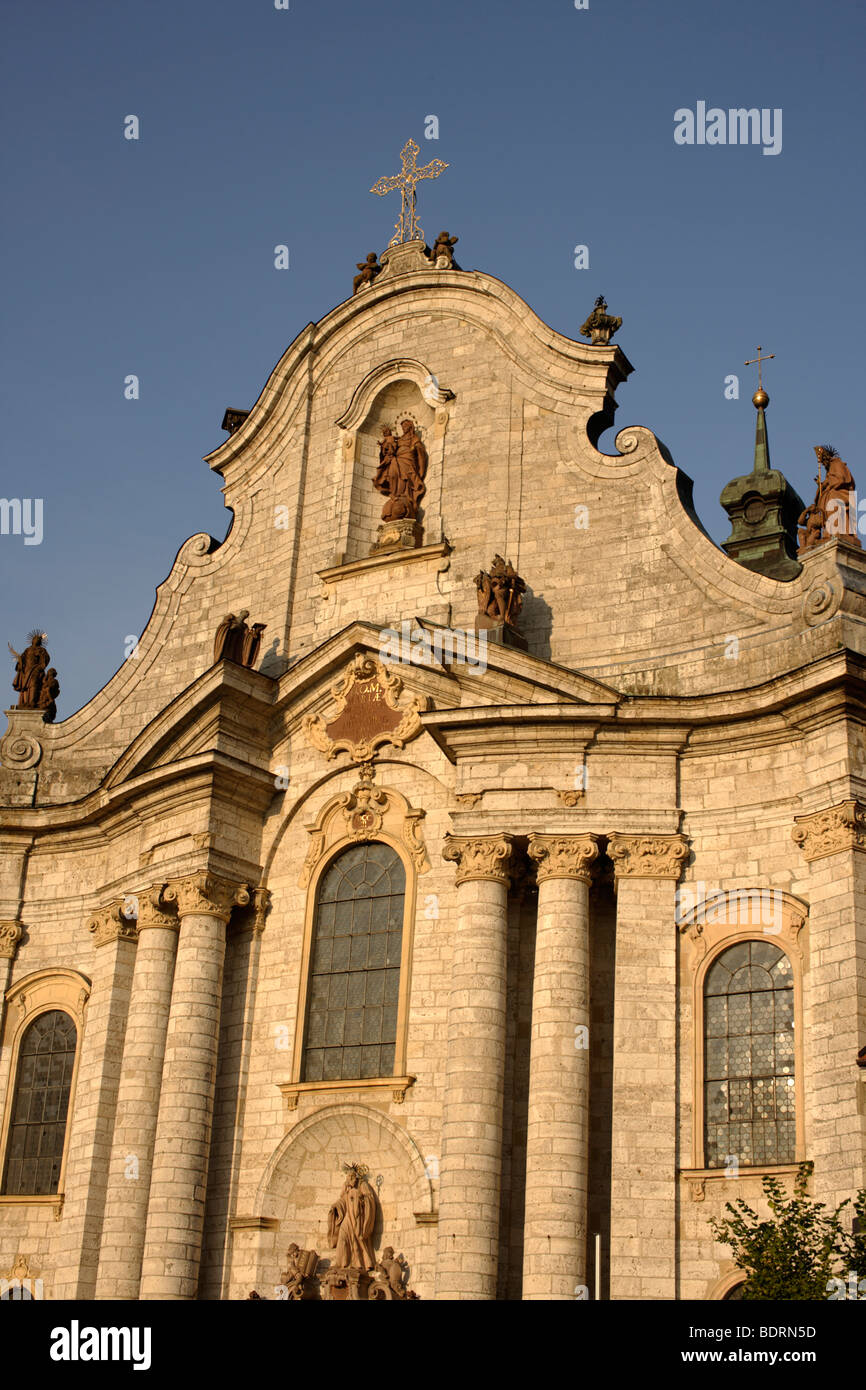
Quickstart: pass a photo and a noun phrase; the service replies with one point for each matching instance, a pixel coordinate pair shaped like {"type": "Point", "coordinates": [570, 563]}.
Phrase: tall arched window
{"type": "Point", "coordinates": [34, 1149]}
{"type": "Point", "coordinates": [355, 966]}
{"type": "Point", "coordinates": [749, 1099]}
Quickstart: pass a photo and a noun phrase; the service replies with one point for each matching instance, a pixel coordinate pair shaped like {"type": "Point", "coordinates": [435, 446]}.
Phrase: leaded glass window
{"type": "Point", "coordinates": [355, 966]}
{"type": "Point", "coordinates": [749, 1107]}
{"type": "Point", "coordinates": [34, 1150]}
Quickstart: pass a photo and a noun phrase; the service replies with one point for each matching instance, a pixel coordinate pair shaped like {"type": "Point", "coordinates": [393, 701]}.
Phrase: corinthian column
{"type": "Point", "coordinates": [644, 1155]}
{"type": "Point", "coordinates": [471, 1166]}
{"type": "Point", "coordinates": [129, 1175]}
{"type": "Point", "coordinates": [557, 1136]}
{"type": "Point", "coordinates": [178, 1185]}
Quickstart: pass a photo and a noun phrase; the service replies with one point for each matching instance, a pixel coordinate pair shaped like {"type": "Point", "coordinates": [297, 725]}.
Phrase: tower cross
{"type": "Point", "coordinates": [759, 359]}
{"type": "Point", "coordinates": [408, 227]}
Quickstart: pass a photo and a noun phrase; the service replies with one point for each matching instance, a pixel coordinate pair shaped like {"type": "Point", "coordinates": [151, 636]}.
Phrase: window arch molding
{"type": "Point", "coordinates": [712, 925]}
{"type": "Point", "coordinates": [365, 815]}
{"type": "Point", "coordinates": [43, 991]}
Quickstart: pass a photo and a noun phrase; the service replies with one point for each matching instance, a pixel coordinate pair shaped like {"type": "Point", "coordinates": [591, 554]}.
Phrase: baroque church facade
{"type": "Point", "coordinates": [489, 909]}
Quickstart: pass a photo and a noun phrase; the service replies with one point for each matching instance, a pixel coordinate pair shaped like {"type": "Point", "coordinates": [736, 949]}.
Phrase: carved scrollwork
{"type": "Point", "coordinates": [197, 549]}
{"type": "Point", "coordinates": [365, 813]}
{"type": "Point", "coordinates": [479, 857]}
{"type": "Point", "coordinates": [563, 856]}
{"type": "Point", "coordinates": [831, 831]}
{"type": "Point", "coordinates": [820, 602]}
{"type": "Point", "coordinates": [110, 924]}
{"type": "Point", "coordinates": [368, 713]}
{"type": "Point", "coordinates": [10, 935]}
{"type": "Point", "coordinates": [647, 856]}
{"type": "Point", "coordinates": [153, 910]}
{"type": "Point", "coordinates": [206, 895]}
{"type": "Point", "coordinates": [20, 751]}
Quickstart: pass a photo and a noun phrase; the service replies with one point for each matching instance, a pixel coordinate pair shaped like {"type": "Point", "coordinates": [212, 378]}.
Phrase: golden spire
{"type": "Point", "coordinates": [408, 227]}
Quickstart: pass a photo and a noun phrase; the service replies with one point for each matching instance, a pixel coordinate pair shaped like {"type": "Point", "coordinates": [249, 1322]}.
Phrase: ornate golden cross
{"type": "Point", "coordinates": [759, 359]}
{"type": "Point", "coordinates": [408, 228]}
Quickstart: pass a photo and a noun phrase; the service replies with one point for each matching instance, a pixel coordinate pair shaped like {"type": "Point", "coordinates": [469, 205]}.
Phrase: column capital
{"type": "Point", "coordinates": [563, 856]}
{"type": "Point", "coordinates": [152, 909]}
{"type": "Point", "coordinates": [479, 857]}
{"type": "Point", "coordinates": [10, 935]}
{"type": "Point", "coordinates": [647, 856]}
{"type": "Point", "coordinates": [831, 831]}
{"type": "Point", "coordinates": [110, 924]}
{"type": "Point", "coordinates": [206, 895]}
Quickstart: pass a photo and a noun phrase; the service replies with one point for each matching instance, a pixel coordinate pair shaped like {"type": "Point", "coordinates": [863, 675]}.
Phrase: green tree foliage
{"type": "Point", "coordinates": [794, 1253]}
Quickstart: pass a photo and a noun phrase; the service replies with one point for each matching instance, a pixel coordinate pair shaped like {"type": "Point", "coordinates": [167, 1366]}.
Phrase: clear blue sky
{"type": "Point", "coordinates": [262, 126]}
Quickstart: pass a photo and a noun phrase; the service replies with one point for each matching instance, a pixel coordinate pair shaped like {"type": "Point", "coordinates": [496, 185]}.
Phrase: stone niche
{"type": "Point", "coordinates": [304, 1177]}
{"type": "Point", "coordinates": [401, 400]}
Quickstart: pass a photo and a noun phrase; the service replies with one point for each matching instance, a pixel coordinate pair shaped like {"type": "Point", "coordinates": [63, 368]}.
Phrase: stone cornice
{"type": "Point", "coordinates": [647, 856]}
{"type": "Point", "coordinates": [563, 856]}
{"type": "Point", "coordinates": [832, 831]}
{"type": "Point", "coordinates": [205, 895]}
{"type": "Point", "coordinates": [480, 857]}
{"type": "Point", "coordinates": [10, 935]}
{"type": "Point", "coordinates": [109, 924]}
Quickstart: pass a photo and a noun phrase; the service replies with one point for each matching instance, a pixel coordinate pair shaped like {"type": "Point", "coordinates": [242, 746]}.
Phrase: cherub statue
{"type": "Point", "coordinates": [391, 1270]}
{"type": "Point", "coordinates": [48, 693]}
{"type": "Point", "coordinates": [369, 270]}
{"type": "Point", "coordinates": [302, 1264]}
{"type": "Point", "coordinates": [811, 527]}
{"type": "Point", "coordinates": [443, 252]}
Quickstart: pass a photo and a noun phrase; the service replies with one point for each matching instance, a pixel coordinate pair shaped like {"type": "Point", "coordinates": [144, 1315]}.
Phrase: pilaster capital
{"type": "Point", "coordinates": [479, 857]}
{"type": "Point", "coordinates": [831, 831]}
{"type": "Point", "coordinates": [563, 856]}
{"type": "Point", "coordinates": [206, 895]}
{"type": "Point", "coordinates": [109, 924]}
{"type": "Point", "coordinates": [10, 935]}
{"type": "Point", "coordinates": [255, 916]}
{"type": "Point", "coordinates": [153, 910]}
{"type": "Point", "coordinates": [647, 856]}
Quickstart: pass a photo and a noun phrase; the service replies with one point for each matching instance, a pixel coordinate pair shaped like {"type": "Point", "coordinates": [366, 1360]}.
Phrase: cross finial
{"type": "Point", "coordinates": [759, 359]}
{"type": "Point", "coordinates": [408, 227]}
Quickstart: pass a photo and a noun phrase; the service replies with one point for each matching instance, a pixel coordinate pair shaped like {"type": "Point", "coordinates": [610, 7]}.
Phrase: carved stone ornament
{"type": "Point", "coordinates": [299, 1279]}
{"type": "Point", "coordinates": [365, 813]}
{"type": "Point", "coordinates": [479, 857]}
{"type": "Point", "coordinates": [21, 748]}
{"type": "Point", "coordinates": [206, 896]}
{"type": "Point", "coordinates": [570, 797]}
{"type": "Point", "coordinates": [368, 713]}
{"type": "Point", "coordinates": [152, 910]}
{"type": "Point", "coordinates": [563, 856]}
{"type": "Point", "coordinates": [600, 326]}
{"type": "Point", "coordinates": [10, 935]}
{"type": "Point", "coordinates": [838, 828]}
{"type": "Point", "coordinates": [110, 924]}
{"type": "Point", "coordinates": [647, 856]}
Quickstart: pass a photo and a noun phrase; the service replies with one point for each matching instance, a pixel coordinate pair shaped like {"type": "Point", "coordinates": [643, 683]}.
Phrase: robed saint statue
{"type": "Point", "coordinates": [351, 1220]}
